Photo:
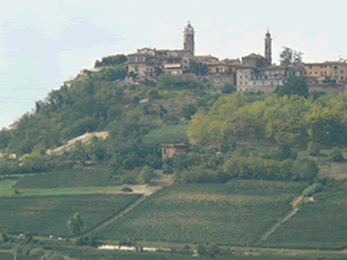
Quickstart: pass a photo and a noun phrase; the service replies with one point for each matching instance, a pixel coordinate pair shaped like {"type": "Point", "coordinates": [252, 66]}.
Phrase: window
{"type": "Point", "coordinates": [246, 83]}
{"type": "Point", "coordinates": [140, 59]}
{"type": "Point", "coordinates": [241, 83]}
{"type": "Point", "coordinates": [321, 66]}
{"type": "Point", "coordinates": [315, 72]}
{"type": "Point", "coordinates": [341, 78]}
{"type": "Point", "coordinates": [241, 77]}
{"type": "Point", "coordinates": [136, 68]}
{"type": "Point", "coordinates": [336, 77]}
{"type": "Point", "coordinates": [335, 71]}
{"type": "Point", "coordinates": [310, 66]}
{"type": "Point", "coordinates": [325, 66]}
{"type": "Point", "coordinates": [246, 77]}
{"type": "Point", "coordinates": [321, 73]}
{"type": "Point", "coordinates": [310, 72]}
{"type": "Point", "coordinates": [341, 71]}
{"type": "Point", "coordinates": [325, 73]}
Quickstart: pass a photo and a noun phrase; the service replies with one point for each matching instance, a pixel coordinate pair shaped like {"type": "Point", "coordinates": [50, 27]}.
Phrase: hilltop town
{"type": "Point", "coordinates": [253, 72]}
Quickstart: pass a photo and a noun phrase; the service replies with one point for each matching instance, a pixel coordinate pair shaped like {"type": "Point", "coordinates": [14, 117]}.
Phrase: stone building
{"type": "Point", "coordinates": [325, 71]}
{"type": "Point", "coordinates": [169, 150]}
{"type": "Point", "coordinates": [147, 61]}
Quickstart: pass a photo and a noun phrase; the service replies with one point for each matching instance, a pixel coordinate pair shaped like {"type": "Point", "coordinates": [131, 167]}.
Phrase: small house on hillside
{"type": "Point", "coordinates": [169, 150]}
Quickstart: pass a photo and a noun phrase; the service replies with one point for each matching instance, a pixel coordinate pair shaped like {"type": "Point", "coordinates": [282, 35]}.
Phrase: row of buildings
{"type": "Point", "coordinates": [253, 72]}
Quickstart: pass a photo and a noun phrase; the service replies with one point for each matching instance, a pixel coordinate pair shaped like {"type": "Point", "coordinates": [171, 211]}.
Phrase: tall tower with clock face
{"type": "Point", "coordinates": [188, 38]}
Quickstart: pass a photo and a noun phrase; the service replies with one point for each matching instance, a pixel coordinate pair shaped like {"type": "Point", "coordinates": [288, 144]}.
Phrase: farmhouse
{"type": "Point", "coordinates": [169, 150]}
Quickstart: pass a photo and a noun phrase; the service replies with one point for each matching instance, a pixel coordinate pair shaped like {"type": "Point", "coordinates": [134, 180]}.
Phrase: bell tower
{"type": "Point", "coordinates": [268, 47]}
{"type": "Point", "coordinates": [188, 38]}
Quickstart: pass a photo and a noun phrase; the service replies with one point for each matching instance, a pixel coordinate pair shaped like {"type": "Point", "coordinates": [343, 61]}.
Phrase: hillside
{"type": "Point", "coordinates": [259, 175]}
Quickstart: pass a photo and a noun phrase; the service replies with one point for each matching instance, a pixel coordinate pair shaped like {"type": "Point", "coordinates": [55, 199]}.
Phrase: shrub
{"type": "Point", "coordinates": [36, 252]}
{"type": "Point", "coordinates": [147, 174]}
{"type": "Point", "coordinates": [336, 155]}
{"type": "Point", "coordinates": [313, 148]}
{"type": "Point", "coordinates": [4, 236]}
{"type": "Point", "coordinates": [314, 188]}
{"type": "Point", "coordinates": [304, 169]}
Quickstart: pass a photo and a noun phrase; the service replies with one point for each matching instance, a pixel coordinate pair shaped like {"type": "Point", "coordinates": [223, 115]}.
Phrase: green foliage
{"type": "Point", "coordinates": [111, 60]}
{"type": "Point", "coordinates": [313, 148]}
{"type": "Point", "coordinates": [293, 85]}
{"type": "Point", "coordinates": [89, 240]}
{"type": "Point", "coordinates": [290, 57]}
{"type": "Point", "coordinates": [304, 169]}
{"type": "Point", "coordinates": [197, 68]}
{"type": "Point", "coordinates": [188, 110]}
{"type": "Point", "coordinates": [228, 89]}
{"type": "Point", "coordinates": [147, 174]}
{"type": "Point", "coordinates": [317, 225]}
{"type": "Point", "coordinates": [47, 215]}
{"type": "Point", "coordinates": [336, 155]}
{"type": "Point", "coordinates": [110, 74]}
{"type": "Point", "coordinates": [238, 212]}
{"type": "Point", "coordinates": [314, 188]}
{"type": "Point", "coordinates": [4, 236]}
{"type": "Point", "coordinates": [75, 224]}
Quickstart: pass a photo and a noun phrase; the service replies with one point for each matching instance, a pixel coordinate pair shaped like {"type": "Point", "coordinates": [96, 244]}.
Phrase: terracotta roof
{"type": "Point", "coordinates": [327, 63]}
{"type": "Point", "coordinates": [253, 55]}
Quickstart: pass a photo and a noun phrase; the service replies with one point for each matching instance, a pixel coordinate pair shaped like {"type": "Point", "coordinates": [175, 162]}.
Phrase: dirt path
{"type": "Point", "coordinates": [294, 203]}
{"type": "Point", "coordinates": [146, 190]}
{"type": "Point", "coordinates": [115, 217]}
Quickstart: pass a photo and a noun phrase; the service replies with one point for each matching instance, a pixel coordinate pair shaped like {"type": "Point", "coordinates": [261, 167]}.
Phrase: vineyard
{"type": "Point", "coordinates": [48, 215]}
{"type": "Point", "coordinates": [236, 213]}
{"type": "Point", "coordinates": [321, 224]}
{"type": "Point", "coordinates": [93, 176]}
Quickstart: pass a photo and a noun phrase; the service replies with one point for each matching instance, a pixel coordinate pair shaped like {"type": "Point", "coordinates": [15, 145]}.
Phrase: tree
{"type": "Point", "coordinates": [198, 68]}
{"type": "Point", "coordinates": [290, 57]}
{"type": "Point", "coordinates": [293, 85]}
{"type": "Point", "coordinates": [75, 224]}
{"type": "Point", "coordinates": [313, 148]}
{"type": "Point", "coordinates": [228, 89]}
{"type": "Point", "coordinates": [336, 155]}
{"type": "Point", "coordinates": [304, 169]}
{"type": "Point", "coordinates": [147, 174]}
{"type": "Point", "coordinates": [188, 110]}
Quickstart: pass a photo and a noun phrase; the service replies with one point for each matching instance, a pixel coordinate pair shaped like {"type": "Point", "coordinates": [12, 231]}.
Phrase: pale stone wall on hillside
{"type": "Point", "coordinates": [83, 138]}
{"type": "Point", "coordinates": [217, 81]}
{"type": "Point", "coordinates": [336, 89]}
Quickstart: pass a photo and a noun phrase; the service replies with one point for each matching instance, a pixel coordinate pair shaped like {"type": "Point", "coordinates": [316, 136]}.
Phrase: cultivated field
{"type": "Point", "coordinates": [235, 213]}
{"type": "Point", "coordinates": [88, 176]}
{"type": "Point", "coordinates": [322, 224]}
{"type": "Point", "coordinates": [48, 215]}
{"type": "Point", "coordinates": [170, 134]}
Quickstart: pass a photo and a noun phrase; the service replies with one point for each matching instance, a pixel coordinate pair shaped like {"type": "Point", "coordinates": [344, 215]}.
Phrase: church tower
{"type": "Point", "coordinates": [188, 38]}
{"type": "Point", "coordinates": [268, 41]}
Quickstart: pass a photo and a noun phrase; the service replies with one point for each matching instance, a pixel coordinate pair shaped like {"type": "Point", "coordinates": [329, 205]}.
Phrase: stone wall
{"type": "Point", "coordinates": [169, 150]}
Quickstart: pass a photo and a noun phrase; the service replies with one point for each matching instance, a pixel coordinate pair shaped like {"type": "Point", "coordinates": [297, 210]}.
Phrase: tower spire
{"type": "Point", "coordinates": [268, 47]}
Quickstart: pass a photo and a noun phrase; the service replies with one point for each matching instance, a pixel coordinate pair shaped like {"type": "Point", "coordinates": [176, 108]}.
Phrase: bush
{"type": "Point", "coordinates": [336, 155]}
{"type": "Point", "coordinates": [304, 169]}
{"type": "Point", "coordinates": [4, 236]}
{"type": "Point", "coordinates": [147, 174]}
{"type": "Point", "coordinates": [36, 252]}
{"type": "Point", "coordinates": [314, 188]}
{"type": "Point", "coordinates": [313, 148]}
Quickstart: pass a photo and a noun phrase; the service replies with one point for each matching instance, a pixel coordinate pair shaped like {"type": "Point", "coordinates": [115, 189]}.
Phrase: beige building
{"type": "Point", "coordinates": [323, 71]}
{"type": "Point", "coordinates": [169, 150]}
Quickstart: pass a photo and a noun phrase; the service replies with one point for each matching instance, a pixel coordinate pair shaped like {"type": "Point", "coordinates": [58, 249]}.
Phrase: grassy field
{"type": "Point", "coordinates": [88, 176]}
{"type": "Point", "coordinates": [235, 213]}
{"type": "Point", "coordinates": [9, 256]}
{"type": "Point", "coordinates": [169, 134]}
{"type": "Point", "coordinates": [47, 215]}
{"type": "Point", "coordinates": [322, 224]}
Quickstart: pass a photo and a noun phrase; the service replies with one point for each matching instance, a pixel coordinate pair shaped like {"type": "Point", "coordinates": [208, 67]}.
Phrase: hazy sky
{"type": "Point", "coordinates": [43, 42]}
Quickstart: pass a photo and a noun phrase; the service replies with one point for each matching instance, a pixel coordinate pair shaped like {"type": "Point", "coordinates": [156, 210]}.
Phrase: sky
{"type": "Point", "coordinates": [45, 42]}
